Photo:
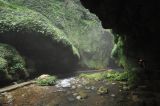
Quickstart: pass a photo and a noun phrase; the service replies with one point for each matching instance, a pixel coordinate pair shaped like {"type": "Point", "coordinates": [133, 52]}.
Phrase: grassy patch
{"type": "Point", "coordinates": [47, 81]}
{"type": "Point", "coordinates": [107, 75]}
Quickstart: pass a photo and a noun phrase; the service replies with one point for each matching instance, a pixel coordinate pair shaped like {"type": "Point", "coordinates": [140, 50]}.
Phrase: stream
{"type": "Point", "coordinates": [72, 91]}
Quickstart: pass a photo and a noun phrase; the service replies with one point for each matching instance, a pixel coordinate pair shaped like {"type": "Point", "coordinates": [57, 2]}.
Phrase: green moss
{"type": "Point", "coordinates": [15, 18]}
{"type": "Point", "coordinates": [128, 63]}
{"type": "Point", "coordinates": [95, 76]}
{"type": "Point", "coordinates": [82, 28]}
{"type": "Point", "coordinates": [46, 81]}
{"type": "Point", "coordinates": [102, 90]}
{"type": "Point", "coordinates": [3, 64]}
{"type": "Point", "coordinates": [12, 65]}
{"type": "Point", "coordinates": [107, 75]}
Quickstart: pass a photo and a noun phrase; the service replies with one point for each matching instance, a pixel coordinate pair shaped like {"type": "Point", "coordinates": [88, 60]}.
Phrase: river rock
{"type": "Point", "coordinates": [81, 95]}
{"type": "Point", "coordinates": [73, 87]}
{"type": "Point", "coordinates": [78, 97]}
{"type": "Point", "coordinates": [75, 94]}
{"type": "Point", "coordinates": [70, 99]}
{"type": "Point", "coordinates": [102, 90]}
{"type": "Point", "coordinates": [113, 95]}
{"type": "Point", "coordinates": [125, 88]}
{"type": "Point", "coordinates": [93, 88]}
{"type": "Point", "coordinates": [43, 76]}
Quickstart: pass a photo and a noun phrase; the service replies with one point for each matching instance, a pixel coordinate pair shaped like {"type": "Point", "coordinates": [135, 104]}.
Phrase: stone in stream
{"type": "Point", "coordinates": [78, 97]}
{"type": "Point", "coordinates": [113, 83]}
{"type": "Point", "coordinates": [113, 95]}
{"type": "Point", "coordinates": [87, 88]}
{"type": "Point", "coordinates": [75, 94]}
{"type": "Point", "coordinates": [93, 88]}
{"type": "Point", "coordinates": [102, 90]}
{"type": "Point", "coordinates": [125, 87]}
{"type": "Point", "coordinates": [73, 87]}
{"type": "Point", "coordinates": [82, 95]}
{"type": "Point", "coordinates": [70, 99]}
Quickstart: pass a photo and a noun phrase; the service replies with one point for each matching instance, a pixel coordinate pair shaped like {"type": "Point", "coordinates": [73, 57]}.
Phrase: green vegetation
{"type": "Point", "coordinates": [47, 80]}
{"type": "Point", "coordinates": [82, 28]}
{"type": "Point", "coordinates": [15, 18]}
{"type": "Point", "coordinates": [21, 21]}
{"type": "Point", "coordinates": [12, 65]}
{"type": "Point", "coordinates": [107, 75]}
{"type": "Point", "coordinates": [130, 65]}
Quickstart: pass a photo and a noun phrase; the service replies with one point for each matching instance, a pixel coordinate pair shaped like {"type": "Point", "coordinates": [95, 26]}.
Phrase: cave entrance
{"type": "Point", "coordinates": [42, 54]}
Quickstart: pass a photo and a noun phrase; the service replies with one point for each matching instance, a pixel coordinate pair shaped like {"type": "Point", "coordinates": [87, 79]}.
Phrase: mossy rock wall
{"type": "Point", "coordinates": [43, 46]}
{"type": "Point", "coordinates": [12, 65]}
{"type": "Point", "coordinates": [81, 27]}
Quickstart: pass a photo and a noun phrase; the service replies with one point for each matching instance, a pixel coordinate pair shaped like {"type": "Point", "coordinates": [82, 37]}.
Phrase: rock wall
{"type": "Point", "coordinates": [137, 23]}
{"type": "Point", "coordinates": [81, 27]}
{"type": "Point", "coordinates": [44, 47]}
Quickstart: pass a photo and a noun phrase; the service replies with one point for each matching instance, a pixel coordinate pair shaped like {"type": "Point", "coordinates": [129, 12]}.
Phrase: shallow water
{"type": "Point", "coordinates": [66, 93]}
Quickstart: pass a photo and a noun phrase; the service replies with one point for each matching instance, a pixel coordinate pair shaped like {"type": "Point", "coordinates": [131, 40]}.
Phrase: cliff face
{"type": "Point", "coordinates": [43, 46]}
{"type": "Point", "coordinates": [12, 65]}
{"type": "Point", "coordinates": [136, 24]}
{"type": "Point", "coordinates": [82, 28]}
{"type": "Point", "coordinates": [54, 36]}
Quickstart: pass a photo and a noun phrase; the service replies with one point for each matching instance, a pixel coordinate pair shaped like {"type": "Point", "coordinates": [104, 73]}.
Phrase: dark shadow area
{"type": "Point", "coordinates": [137, 22]}
{"type": "Point", "coordinates": [41, 53]}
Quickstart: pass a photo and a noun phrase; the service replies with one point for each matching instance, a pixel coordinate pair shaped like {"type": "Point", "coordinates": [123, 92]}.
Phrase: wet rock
{"type": "Point", "coordinates": [126, 88]}
{"type": "Point", "coordinates": [15, 83]}
{"type": "Point", "coordinates": [9, 98]}
{"type": "Point", "coordinates": [23, 95]}
{"type": "Point", "coordinates": [75, 94]}
{"type": "Point", "coordinates": [78, 98]}
{"type": "Point", "coordinates": [135, 98]}
{"type": "Point", "coordinates": [102, 90]}
{"type": "Point", "coordinates": [43, 76]}
{"type": "Point", "coordinates": [83, 94]}
{"type": "Point", "coordinates": [79, 86]}
{"type": "Point", "coordinates": [70, 99]}
{"type": "Point", "coordinates": [87, 88]}
{"type": "Point", "coordinates": [65, 83]}
{"type": "Point", "coordinates": [90, 88]}
{"type": "Point", "coordinates": [113, 95]}
{"type": "Point", "coordinates": [113, 83]}
{"type": "Point", "coordinates": [73, 87]}
{"type": "Point", "coordinates": [4, 93]}
{"type": "Point", "coordinates": [123, 83]}
{"type": "Point", "coordinates": [93, 88]}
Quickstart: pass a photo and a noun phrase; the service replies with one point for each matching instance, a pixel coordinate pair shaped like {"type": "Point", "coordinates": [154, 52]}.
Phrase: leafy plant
{"type": "Point", "coordinates": [46, 81]}
{"type": "Point", "coordinates": [12, 65]}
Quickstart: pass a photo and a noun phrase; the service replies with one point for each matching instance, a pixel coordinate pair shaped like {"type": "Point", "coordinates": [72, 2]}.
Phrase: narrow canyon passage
{"type": "Point", "coordinates": [79, 53]}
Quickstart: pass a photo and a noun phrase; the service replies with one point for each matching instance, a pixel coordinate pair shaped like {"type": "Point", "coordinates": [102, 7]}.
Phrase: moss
{"type": "Point", "coordinates": [129, 64]}
{"type": "Point", "coordinates": [95, 76]}
{"type": "Point", "coordinates": [82, 28]}
{"type": "Point", "coordinates": [102, 90]}
{"type": "Point", "coordinates": [107, 75]}
{"type": "Point", "coordinates": [19, 19]}
{"type": "Point", "coordinates": [48, 80]}
{"type": "Point", "coordinates": [12, 65]}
